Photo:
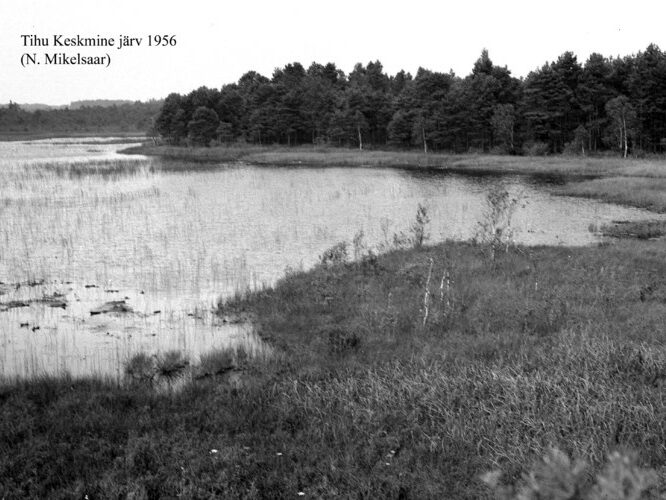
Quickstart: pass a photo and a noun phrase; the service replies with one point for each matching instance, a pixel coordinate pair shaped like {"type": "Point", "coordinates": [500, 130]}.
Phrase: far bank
{"type": "Point", "coordinates": [637, 182]}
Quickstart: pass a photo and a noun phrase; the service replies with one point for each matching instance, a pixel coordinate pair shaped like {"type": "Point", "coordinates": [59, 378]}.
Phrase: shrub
{"type": "Point", "coordinates": [335, 255]}
{"type": "Point", "coordinates": [495, 230]}
{"type": "Point", "coordinates": [418, 227]}
{"type": "Point", "coordinates": [556, 477]}
{"type": "Point", "coordinates": [141, 368]}
{"type": "Point", "coordinates": [534, 148]}
{"type": "Point", "coordinates": [341, 341]}
{"type": "Point", "coordinates": [359, 244]}
{"type": "Point", "coordinates": [216, 362]}
{"type": "Point", "coordinates": [171, 365]}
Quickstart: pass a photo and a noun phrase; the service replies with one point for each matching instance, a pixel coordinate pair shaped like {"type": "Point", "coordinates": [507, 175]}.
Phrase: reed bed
{"type": "Point", "coordinates": [97, 230]}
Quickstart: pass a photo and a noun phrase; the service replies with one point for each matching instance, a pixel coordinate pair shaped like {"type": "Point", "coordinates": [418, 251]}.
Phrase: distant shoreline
{"type": "Point", "coordinates": [32, 136]}
{"type": "Point", "coordinates": [634, 182]}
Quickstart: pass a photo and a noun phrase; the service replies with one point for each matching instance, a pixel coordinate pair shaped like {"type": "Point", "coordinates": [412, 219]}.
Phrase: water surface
{"type": "Point", "coordinates": [168, 242]}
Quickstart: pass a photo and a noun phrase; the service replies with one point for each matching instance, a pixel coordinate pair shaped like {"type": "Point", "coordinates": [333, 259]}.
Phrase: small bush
{"type": "Point", "coordinates": [370, 264]}
{"type": "Point", "coordinates": [335, 255]}
{"type": "Point", "coordinates": [499, 150]}
{"type": "Point", "coordinates": [556, 477]}
{"type": "Point", "coordinates": [142, 456]}
{"type": "Point", "coordinates": [418, 228]}
{"type": "Point", "coordinates": [171, 365]}
{"type": "Point", "coordinates": [341, 341]}
{"type": "Point", "coordinates": [216, 362]}
{"type": "Point", "coordinates": [495, 230]}
{"type": "Point", "coordinates": [535, 149]}
{"type": "Point", "coordinates": [359, 244]}
{"type": "Point", "coordinates": [141, 368]}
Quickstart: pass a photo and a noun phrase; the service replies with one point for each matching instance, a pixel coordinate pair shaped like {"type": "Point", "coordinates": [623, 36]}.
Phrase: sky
{"type": "Point", "coordinates": [218, 41]}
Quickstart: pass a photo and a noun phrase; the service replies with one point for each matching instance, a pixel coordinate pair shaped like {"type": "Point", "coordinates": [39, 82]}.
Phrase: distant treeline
{"type": "Point", "coordinates": [564, 106]}
{"type": "Point", "coordinates": [102, 117]}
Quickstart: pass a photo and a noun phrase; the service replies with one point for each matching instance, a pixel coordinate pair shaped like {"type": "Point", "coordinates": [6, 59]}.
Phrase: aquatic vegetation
{"type": "Point", "coordinates": [171, 365]}
{"type": "Point", "coordinates": [141, 368]}
{"type": "Point", "coordinates": [216, 362]}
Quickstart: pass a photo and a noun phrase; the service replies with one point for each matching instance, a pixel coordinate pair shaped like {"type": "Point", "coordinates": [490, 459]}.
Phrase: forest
{"type": "Point", "coordinates": [565, 106]}
{"type": "Point", "coordinates": [80, 117]}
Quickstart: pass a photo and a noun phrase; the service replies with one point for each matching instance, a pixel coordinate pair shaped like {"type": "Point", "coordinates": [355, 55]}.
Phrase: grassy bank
{"type": "Point", "coordinates": [634, 182]}
{"type": "Point", "coordinates": [407, 375]}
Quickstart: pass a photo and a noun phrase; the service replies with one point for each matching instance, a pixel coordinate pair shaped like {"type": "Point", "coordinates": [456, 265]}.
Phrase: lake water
{"type": "Point", "coordinates": [82, 226]}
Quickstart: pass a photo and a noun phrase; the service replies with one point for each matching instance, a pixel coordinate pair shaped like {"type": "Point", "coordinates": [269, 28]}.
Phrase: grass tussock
{"type": "Point", "coordinates": [370, 397]}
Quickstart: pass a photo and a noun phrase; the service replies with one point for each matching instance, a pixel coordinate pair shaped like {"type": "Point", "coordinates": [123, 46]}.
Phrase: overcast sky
{"type": "Point", "coordinates": [218, 41]}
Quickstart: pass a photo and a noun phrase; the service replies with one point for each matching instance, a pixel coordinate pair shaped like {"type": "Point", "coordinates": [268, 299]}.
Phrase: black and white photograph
{"type": "Point", "coordinates": [353, 249]}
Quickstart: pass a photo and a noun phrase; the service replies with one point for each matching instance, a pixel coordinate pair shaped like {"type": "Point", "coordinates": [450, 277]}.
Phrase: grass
{"type": "Point", "coordinates": [545, 347]}
{"type": "Point", "coordinates": [642, 192]}
{"type": "Point", "coordinates": [643, 230]}
{"type": "Point", "coordinates": [364, 394]}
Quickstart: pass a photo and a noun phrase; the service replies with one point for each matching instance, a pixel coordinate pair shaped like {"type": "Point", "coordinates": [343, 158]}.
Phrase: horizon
{"type": "Point", "coordinates": [346, 73]}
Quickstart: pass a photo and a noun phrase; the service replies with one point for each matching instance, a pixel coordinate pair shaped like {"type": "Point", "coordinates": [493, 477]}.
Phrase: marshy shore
{"type": "Point", "coordinates": [444, 371]}
{"type": "Point", "coordinates": [409, 374]}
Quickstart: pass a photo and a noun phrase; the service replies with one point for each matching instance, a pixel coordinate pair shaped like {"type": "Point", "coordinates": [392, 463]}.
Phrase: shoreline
{"type": "Point", "coordinates": [23, 136]}
{"type": "Point", "coordinates": [639, 183]}
{"type": "Point", "coordinates": [410, 373]}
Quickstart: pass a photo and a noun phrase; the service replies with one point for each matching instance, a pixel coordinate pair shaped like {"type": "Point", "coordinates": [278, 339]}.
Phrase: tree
{"type": "Point", "coordinates": [225, 132]}
{"type": "Point", "coordinates": [594, 91]}
{"type": "Point", "coordinates": [482, 91]}
{"type": "Point", "coordinates": [400, 129]}
{"type": "Point", "coordinates": [230, 108]}
{"type": "Point", "coordinates": [646, 83]}
{"type": "Point", "coordinates": [169, 122]}
{"type": "Point", "coordinates": [623, 121]}
{"type": "Point", "coordinates": [581, 137]}
{"type": "Point", "coordinates": [550, 102]}
{"type": "Point", "coordinates": [361, 124]}
{"type": "Point", "coordinates": [503, 122]}
{"type": "Point", "coordinates": [203, 127]}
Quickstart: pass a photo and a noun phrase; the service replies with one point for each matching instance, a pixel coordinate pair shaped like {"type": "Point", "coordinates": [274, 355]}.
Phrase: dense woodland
{"type": "Point", "coordinates": [80, 117]}
{"type": "Point", "coordinates": [564, 106]}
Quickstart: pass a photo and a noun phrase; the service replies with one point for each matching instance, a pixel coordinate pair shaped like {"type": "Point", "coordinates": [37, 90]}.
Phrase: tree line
{"type": "Point", "coordinates": [564, 106]}
{"type": "Point", "coordinates": [80, 117]}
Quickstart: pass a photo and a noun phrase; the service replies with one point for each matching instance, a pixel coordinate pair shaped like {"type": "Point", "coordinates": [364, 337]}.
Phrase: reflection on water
{"type": "Point", "coordinates": [169, 242]}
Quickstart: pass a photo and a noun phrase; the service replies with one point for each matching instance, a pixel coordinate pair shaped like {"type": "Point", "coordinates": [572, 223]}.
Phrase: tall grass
{"type": "Point", "coordinates": [364, 400]}
{"type": "Point", "coordinates": [96, 230]}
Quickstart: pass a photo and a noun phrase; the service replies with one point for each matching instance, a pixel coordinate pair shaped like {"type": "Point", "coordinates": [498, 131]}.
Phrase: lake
{"type": "Point", "coordinates": [82, 227]}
